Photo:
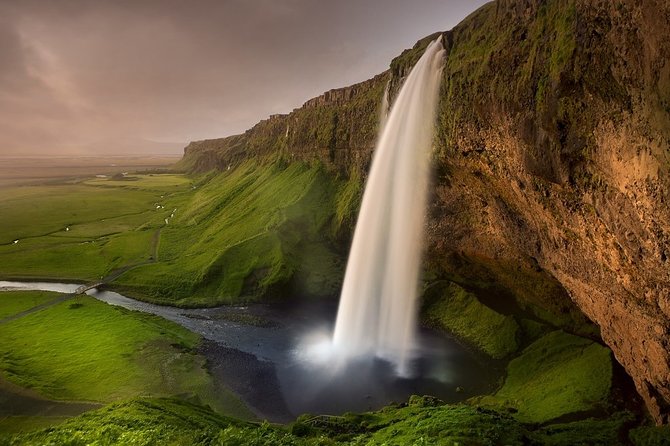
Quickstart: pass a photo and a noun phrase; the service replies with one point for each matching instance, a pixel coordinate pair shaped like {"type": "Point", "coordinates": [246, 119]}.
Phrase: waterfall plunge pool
{"type": "Point", "coordinates": [259, 351]}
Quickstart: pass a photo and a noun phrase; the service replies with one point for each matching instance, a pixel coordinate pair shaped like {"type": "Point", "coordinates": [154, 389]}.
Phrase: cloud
{"type": "Point", "coordinates": [75, 72]}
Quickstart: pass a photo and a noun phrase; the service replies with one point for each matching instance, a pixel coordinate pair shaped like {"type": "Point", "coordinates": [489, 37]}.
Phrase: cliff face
{"type": "Point", "coordinates": [338, 128]}
{"type": "Point", "coordinates": [553, 154]}
{"type": "Point", "coordinates": [552, 164]}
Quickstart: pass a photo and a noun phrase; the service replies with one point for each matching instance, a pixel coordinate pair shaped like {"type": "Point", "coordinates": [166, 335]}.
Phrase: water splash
{"type": "Point", "coordinates": [377, 312]}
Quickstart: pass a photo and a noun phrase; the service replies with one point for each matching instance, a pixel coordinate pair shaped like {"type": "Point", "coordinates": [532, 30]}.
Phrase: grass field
{"type": "Point", "coordinates": [83, 231]}
{"type": "Point", "coordinates": [17, 301]}
{"type": "Point", "coordinates": [85, 350]}
{"type": "Point", "coordinates": [262, 228]}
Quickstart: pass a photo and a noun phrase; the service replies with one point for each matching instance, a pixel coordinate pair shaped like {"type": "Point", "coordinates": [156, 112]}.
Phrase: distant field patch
{"type": "Point", "coordinates": [142, 181]}
{"type": "Point", "coordinates": [83, 231]}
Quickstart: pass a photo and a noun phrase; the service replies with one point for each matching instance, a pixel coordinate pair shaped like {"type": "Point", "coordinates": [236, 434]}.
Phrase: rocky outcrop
{"type": "Point", "coordinates": [337, 128]}
{"type": "Point", "coordinates": [552, 164]}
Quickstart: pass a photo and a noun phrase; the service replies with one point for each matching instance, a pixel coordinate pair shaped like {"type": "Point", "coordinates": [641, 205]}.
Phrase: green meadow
{"type": "Point", "coordinates": [243, 234]}
{"type": "Point", "coordinates": [18, 301]}
{"type": "Point", "coordinates": [83, 231]}
{"type": "Point", "coordinates": [82, 349]}
{"type": "Point", "coordinates": [180, 240]}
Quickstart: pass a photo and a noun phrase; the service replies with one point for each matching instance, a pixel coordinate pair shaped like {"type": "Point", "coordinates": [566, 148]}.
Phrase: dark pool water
{"type": "Point", "coordinates": [266, 353]}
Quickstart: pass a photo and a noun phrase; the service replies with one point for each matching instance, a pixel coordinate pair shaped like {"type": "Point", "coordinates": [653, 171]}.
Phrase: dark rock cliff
{"type": "Point", "coordinates": [552, 164]}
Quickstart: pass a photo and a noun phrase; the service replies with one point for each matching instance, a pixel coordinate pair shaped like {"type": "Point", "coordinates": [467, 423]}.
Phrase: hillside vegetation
{"type": "Point", "coordinates": [423, 421]}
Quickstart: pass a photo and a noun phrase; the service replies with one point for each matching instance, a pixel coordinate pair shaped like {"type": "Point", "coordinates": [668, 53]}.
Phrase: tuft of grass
{"type": "Point", "coordinates": [556, 375]}
{"type": "Point", "coordinates": [650, 436]}
{"type": "Point", "coordinates": [460, 313]}
{"type": "Point", "coordinates": [445, 424]}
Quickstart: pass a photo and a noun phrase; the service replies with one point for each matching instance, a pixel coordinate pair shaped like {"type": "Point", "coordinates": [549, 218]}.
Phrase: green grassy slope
{"type": "Point", "coordinates": [263, 228]}
{"type": "Point", "coordinates": [256, 228]}
{"type": "Point", "coordinates": [460, 313]}
{"type": "Point", "coordinates": [557, 375]}
{"type": "Point", "coordinates": [83, 349]}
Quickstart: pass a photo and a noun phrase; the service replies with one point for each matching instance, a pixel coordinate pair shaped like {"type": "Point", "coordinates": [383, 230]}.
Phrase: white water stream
{"type": "Point", "coordinates": [377, 311]}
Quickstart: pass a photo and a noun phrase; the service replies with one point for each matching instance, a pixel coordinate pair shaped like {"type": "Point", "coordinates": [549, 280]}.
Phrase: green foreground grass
{"type": "Point", "coordinates": [18, 301]}
{"type": "Point", "coordinates": [85, 350]}
{"type": "Point", "coordinates": [423, 421]}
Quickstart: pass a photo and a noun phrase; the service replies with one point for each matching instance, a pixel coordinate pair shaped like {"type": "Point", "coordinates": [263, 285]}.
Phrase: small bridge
{"type": "Point", "coordinates": [83, 288]}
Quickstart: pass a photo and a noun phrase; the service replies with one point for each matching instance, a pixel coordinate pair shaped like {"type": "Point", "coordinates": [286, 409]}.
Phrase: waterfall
{"type": "Point", "coordinates": [377, 311]}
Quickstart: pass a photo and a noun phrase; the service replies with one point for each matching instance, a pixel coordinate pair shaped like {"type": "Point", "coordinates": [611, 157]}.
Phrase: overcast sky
{"type": "Point", "coordinates": [97, 76]}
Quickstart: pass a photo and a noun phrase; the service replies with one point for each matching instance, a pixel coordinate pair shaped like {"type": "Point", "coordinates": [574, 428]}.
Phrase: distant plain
{"type": "Point", "coordinates": [39, 170]}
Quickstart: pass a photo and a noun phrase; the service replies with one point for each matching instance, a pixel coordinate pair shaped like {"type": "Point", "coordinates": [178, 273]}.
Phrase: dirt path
{"type": "Point", "coordinates": [40, 307]}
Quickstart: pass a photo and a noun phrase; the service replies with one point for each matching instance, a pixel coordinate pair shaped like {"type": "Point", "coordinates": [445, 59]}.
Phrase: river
{"type": "Point", "coordinates": [257, 351]}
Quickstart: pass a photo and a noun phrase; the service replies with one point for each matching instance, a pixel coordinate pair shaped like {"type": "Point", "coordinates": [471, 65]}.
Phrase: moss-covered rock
{"type": "Point", "coordinates": [558, 374]}
{"type": "Point", "coordinates": [459, 312]}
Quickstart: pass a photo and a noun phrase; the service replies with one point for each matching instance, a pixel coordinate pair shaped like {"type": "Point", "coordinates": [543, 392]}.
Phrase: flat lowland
{"type": "Point", "coordinates": [39, 170]}
{"type": "Point", "coordinates": [85, 230]}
